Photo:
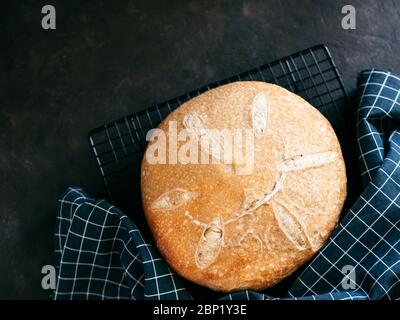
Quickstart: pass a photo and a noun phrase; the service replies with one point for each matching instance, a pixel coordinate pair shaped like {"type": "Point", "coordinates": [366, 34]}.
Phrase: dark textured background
{"type": "Point", "coordinates": [109, 58]}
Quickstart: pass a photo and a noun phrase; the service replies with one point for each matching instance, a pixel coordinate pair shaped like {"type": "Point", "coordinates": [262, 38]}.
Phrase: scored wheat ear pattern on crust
{"type": "Point", "coordinates": [213, 233]}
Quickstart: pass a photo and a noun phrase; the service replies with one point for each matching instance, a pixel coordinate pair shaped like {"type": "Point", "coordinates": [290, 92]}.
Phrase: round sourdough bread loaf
{"type": "Point", "coordinates": [265, 202]}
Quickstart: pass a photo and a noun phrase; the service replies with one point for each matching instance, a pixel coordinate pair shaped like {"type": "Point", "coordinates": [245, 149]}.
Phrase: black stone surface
{"type": "Point", "coordinates": [107, 59]}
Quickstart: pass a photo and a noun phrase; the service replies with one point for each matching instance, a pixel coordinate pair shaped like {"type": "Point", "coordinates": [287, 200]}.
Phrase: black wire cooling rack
{"type": "Point", "coordinates": [119, 146]}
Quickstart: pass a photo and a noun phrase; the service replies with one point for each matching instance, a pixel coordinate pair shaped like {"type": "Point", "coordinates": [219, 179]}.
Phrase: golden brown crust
{"type": "Point", "coordinates": [227, 230]}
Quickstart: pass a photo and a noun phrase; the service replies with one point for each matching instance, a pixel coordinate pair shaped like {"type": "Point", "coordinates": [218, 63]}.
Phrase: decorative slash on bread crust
{"type": "Point", "coordinates": [210, 243]}
{"type": "Point", "coordinates": [173, 199]}
{"type": "Point", "coordinates": [259, 114]}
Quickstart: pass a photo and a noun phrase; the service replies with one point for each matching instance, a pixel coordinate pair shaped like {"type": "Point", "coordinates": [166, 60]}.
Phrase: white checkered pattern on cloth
{"type": "Point", "coordinates": [102, 255]}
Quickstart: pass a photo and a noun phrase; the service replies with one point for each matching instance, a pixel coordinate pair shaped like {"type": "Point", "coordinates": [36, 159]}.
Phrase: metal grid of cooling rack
{"type": "Point", "coordinates": [119, 146]}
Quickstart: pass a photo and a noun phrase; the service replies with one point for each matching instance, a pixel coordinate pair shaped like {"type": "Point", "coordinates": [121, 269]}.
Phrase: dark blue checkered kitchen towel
{"type": "Point", "coordinates": [101, 254]}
